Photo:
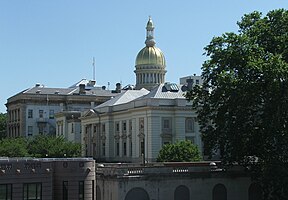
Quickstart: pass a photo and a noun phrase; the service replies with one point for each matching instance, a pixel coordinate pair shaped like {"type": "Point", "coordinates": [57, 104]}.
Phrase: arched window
{"type": "Point", "coordinates": [137, 193]}
{"type": "Point", "coordinates": [219, 192]}
{"type": "Point", "coordinates": [255, 192]}
{"type": "Point", "coordinates": [181, 193]}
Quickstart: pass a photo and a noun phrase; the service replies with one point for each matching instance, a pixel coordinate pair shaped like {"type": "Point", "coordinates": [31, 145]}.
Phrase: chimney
{"type": "Point", "coordinates": [92, 83]}
{"type": "Point", "coordinates": [82, 89]}
{"type": "Point", "coordinates": [189, 83]}
{"type": "Point", "coordinates": [118, 87]}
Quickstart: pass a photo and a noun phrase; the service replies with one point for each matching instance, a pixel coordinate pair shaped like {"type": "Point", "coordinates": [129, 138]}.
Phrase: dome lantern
{"type": "Point", "coordinates": [150, 42]}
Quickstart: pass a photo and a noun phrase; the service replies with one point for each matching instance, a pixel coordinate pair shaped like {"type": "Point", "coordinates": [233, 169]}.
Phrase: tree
{"type": "Point", "coordinates": [3, 124]}
{"type": "Point", "coordinates": [13, 147]}
{"type": "Point", "coordinates": [243, 103]}
{"type": "Point", "coordinates": [41, 146]}
{"type": "Point", "coordinates": [51, 146]}
{"type": "Point", "coordinates": [183, 151]}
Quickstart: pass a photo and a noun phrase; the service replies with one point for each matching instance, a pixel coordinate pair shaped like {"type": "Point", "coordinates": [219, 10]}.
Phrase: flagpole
{"type": "Point", "coordinates": [94, 68]}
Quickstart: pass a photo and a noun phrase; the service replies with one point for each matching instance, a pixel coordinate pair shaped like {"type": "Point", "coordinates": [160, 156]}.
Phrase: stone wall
{"type": "Point", "coordinates": [173, 181]}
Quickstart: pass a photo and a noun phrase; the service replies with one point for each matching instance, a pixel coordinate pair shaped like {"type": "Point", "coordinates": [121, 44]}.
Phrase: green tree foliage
{"type": "Point", "coordinates": [51, 146]}
{"type": "Point", "coordinates": [183, 151]}
{"type": "Point", "coordinates": [3, 124]}
{"type": "Point", "coordinates": [13, 147]}
{"type": "Point", "coordinates": [41, 146]}
{"type": "Point", "coordinates": [244, 111]}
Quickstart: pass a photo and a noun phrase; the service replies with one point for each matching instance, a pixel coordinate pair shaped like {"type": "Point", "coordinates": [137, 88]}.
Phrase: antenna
{"type": "Point", "coordinates": [93, 63]}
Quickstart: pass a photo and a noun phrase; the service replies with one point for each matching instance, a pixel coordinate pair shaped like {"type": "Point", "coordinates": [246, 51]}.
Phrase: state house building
{"type": "Point", "coordinates": [135, 124]}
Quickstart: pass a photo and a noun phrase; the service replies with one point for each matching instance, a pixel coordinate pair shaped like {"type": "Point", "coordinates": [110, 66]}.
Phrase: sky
{"type": "Point", "coordinates": [53, 42]}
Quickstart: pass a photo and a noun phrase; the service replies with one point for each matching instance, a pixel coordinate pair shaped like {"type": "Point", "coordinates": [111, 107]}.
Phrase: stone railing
{"type": "Point", "coordinates": [124, 169]}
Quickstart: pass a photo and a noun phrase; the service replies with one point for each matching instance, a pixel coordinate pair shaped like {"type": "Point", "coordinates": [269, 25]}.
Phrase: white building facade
{"type": "Point", "coordinates": [136, 124]}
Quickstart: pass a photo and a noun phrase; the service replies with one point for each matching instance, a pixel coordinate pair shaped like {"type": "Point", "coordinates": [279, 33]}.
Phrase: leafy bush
{"type": "Point", "coordinates": [183, 151]}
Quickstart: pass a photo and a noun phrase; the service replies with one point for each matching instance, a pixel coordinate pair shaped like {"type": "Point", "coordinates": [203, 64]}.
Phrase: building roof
{"type": "Point", "coordinates": [46, 90]}
{"type": "Point", "coordinates": [125, 97]}
{"type": "Point", "coordinates": [166, 91]}
{"type": "Point", "coordinates": [67, 91]}
{"type": "Point", "coordinates": [90, 89]}
{"type": "Point", "coordinates": [40, 92]}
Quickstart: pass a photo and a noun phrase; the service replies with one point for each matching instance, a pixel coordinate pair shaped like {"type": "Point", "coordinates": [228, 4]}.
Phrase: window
{"type": "Point", "coordinates": [189, 125]}
{"type": "Point", "coordinates": [41, 112]}
{"type": "Point", "coordinates": [65, 190]}
{"type": "Point", "coordinates": [5, 191]}
{"type": "Point", "coordinates": [51, 114]}
{"type": "Point", "coordinates": [72, 128]}
{"type": "Point", "coordinates": [117, 127]}
{"type": "Point", "coordinates": [124, 126]}
{"type": "Point", "coordinates": [103, 128]}
{"type": "Point", "coordinates": [182, 193]}
{"type": "Point", "coordinates": [81, 190]}
{"type": "Point", "coordinates": [141, 124]}
{"type": "Point", "coordinates": [30, 113]}
{"type": "Point", "coordinates": [219, 192]}
{"type": "Point", "coordinates": [103, 148]}
{"type": "Point", "coordinates": [93, 190]}
{"type": "Point", "coordinates": [124, 148]}
{"type": "Point", "coordinates": [117, 149]}
{"type": "Point", "coordinates": [30, 130]}
{"type": "Point", "coordinates": [142, 147]}
{"type": "Point", "coordinates": [130, 125]}
{"type": "Point", "coordinates": [17, 115]}
{"type": "Point", "coordinates": [197, 82]}
{"type": "Point", "coordinates": [166, 123]}
{"type": "Point", "coordinates": [32, 191]}
{"type": "Point", "coordinates": [130, 148]}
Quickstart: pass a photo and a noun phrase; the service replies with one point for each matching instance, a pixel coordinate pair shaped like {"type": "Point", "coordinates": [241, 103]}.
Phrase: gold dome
{"type": "Point", "coordinates": [150, 55]}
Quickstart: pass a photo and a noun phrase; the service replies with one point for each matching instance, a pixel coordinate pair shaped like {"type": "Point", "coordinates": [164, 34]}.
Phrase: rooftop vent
{"type": "Point", "coordinates": [129, 87]}
{"type": "Point", "coordinates": [118, 88]}
{"type": "Point", "coordinates": [91, 83]}
{"type": "Point", "coordinates": [56, 92]}
{"type": "Point", "coordinates": [82, 89]}
{"type": "Point", "coordinates": [38, 91]}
